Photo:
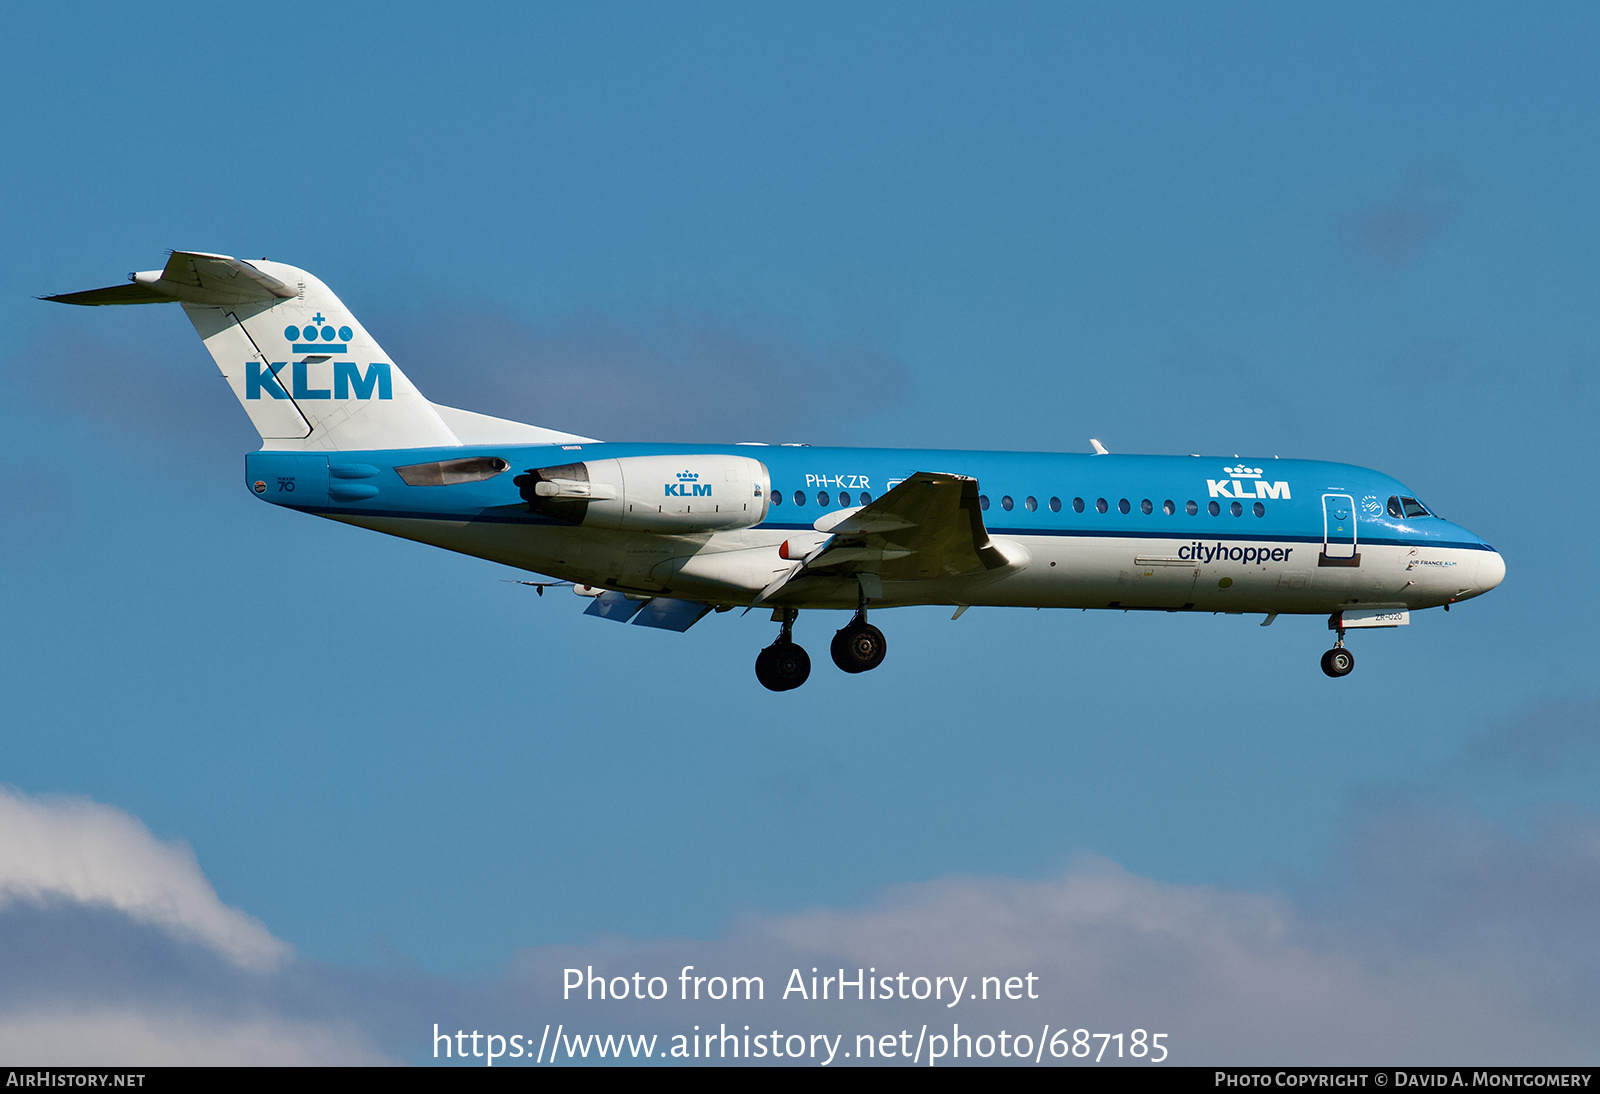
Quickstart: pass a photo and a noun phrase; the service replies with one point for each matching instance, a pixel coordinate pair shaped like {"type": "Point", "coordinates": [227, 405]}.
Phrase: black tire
{"type": "Point", "coordinates": [764, 671]}
{"type": "Point", "coordinates": [859, 647]}
{"type": "Point", "coordinates": [783, 666]}
{"type": "Point", "coordinates": [1338, 662]}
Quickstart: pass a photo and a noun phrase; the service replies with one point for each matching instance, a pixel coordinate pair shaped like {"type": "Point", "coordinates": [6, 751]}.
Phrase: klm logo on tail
{"type": "Point", "coordinates": [319, 339]}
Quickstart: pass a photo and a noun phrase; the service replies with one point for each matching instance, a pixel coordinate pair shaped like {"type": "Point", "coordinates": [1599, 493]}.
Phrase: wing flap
{"type": "Point", "coordinates": [617, 606]}
{"type": "Point", "coordinates": [927, 527]}
{"type": "Point", "coordinates": [668, 614]}
{"type": "Point", "coordinates": [662, 612]}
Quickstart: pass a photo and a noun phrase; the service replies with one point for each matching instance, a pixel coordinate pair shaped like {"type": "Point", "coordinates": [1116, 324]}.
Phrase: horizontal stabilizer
{"type": "Point", "coordinates": [130, 293]}
{"type": "Point", "coordinates": [305, 370]}
{"type": "Point", "coordinates": [192, 277]}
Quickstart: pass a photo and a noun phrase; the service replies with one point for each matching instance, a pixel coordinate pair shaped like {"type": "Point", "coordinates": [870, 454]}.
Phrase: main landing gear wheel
{"type": "Point", "coordinates": [858, 647]}
{"type": "Point", "coordinates": [1338, 662]}
{"type": "Point", "coordinates": [783, 666]}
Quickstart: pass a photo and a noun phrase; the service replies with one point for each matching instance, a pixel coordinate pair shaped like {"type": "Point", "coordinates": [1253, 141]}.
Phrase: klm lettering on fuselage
{"type": "Point", "coordinates": [347, 379]}
{"type": "Point", "coordinates": [1246, 482]}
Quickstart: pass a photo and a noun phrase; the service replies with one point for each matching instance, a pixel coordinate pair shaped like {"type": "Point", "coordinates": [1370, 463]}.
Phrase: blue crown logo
{"type": "Point", "coordinates": [688, 476]}
{"type": "Point", "coordinates": [316, 337]}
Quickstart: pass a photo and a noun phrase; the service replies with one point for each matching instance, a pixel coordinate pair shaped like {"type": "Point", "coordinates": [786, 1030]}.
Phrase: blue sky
{"type": "Point", "coordinates": [1364, 235]}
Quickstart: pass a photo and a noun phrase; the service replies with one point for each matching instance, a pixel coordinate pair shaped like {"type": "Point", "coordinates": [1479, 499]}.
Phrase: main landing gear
{"type": "Point", "coordinates": [1338, 661]}
{"type": "Point", "coordinates": [857, 647]}
{"type": "Point", "coordinates": [784, 665]}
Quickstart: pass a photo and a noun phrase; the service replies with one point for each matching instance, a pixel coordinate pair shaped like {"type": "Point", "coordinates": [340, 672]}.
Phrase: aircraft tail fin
{"type": "Point", "coordinates": [303, 368]}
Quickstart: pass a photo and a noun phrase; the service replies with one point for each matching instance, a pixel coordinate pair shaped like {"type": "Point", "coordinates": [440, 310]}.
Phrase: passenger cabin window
{"type": "Point", "coordinates": [983, 502]}
{"type": "Point", "coordinates": [1213, 508]}
{"type": "Point", "coordinates": [822, 498]}
{"type": "Point", "coordinates": [1006, 503]}
{"type": "Point", "coordinates": [1100, 505]}
{"type": "Point", "coordinates": [777, 497]}
{"type": "Point", "coordinates": [1030, 503]}
{"type": "Point", "coordinates": [1077, 505]}
{"type": "Point", "coordinates": [799, 497]}
{"type": "Point", "coordinates": [1168, 507]}
{"type": "Point", "coordinates": [1055, 505]}
{"type": "Point", "coordinates": [1191, 508]}
{"type": "Point", "coordinates": [1145, 507]}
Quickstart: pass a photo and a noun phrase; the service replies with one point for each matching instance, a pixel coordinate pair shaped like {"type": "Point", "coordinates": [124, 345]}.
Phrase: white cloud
{"type": "Point", "coordinates": [82, 852]}
{"type": "Point", "coordinates": [115, 950]}
{"type": "Point", "coordinates": [1232, 977]}
{"type": "Point", "coordinates": [1438, 938]}
{"type": "Point", "coordinates": [1435, 936]}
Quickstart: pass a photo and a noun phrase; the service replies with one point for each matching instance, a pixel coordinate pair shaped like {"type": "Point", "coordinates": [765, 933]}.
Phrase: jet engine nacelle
{"type": "Point", "coordinates": [652, 493]}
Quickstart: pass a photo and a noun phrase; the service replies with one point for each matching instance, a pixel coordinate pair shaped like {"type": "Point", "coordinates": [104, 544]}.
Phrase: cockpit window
{"type": "Point", "coordinates": [1414, 508]}
{"type": "Point", "coordinates": [1394, 507]}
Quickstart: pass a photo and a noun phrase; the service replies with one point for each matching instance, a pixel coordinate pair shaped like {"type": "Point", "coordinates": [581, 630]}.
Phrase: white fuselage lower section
{"type": "Point", "coordinates": [1052, 571]}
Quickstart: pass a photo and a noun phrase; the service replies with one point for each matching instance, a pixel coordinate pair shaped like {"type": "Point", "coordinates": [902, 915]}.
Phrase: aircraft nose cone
{"type": "Point", "coordinates": [1491, 571]}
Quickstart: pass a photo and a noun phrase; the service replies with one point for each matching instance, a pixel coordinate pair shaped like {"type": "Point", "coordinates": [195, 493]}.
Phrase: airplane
{"type": "Point", "coordinates": [664, 534]}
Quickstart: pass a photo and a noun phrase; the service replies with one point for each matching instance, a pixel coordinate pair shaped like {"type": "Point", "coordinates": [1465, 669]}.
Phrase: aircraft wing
{"type": "Point", "coordinates": [929, 526]}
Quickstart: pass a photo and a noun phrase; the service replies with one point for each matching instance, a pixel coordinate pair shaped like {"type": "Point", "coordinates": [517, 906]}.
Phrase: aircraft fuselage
{"type": "Point", "coordinates": [1216, 534]}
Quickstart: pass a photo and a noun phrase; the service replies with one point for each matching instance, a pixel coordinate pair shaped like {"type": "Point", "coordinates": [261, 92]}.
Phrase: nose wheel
{"type": "Point", "coordinates": [1338, 662]}
{"type": "Point", "coordinates": [784, 665]}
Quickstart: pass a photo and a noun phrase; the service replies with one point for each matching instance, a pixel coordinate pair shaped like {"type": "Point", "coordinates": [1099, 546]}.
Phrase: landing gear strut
{"type": "Point", "coordinates": [784, 665]}
{"type": "Point", "coordinates": [1338, 661]}
{"type": "Point", "coordinates": [858, 646]}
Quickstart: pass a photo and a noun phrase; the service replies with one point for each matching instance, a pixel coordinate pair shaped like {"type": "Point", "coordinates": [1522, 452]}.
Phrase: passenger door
{"type": "Point", "coordinates": [1339, 531]}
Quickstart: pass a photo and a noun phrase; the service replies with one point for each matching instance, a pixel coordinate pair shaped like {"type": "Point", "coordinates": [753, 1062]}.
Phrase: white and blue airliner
{"type": "Point", "coordinates": [664, 534]}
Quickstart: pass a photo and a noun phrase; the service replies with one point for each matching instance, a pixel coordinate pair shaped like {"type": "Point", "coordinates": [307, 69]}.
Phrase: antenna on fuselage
{"type": "Point", "coordinates": [1099, 449]}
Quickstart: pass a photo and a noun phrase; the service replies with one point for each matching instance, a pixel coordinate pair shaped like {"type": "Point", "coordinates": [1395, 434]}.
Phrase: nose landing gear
{"type": "Point", "coordinates": [784, 665]}
{"type": "Point", "coordinates": [1338, 661]}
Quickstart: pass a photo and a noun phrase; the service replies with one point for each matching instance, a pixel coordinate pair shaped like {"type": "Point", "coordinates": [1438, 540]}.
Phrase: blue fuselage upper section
{"type": "Point", "coordinates": [1181, 498]}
